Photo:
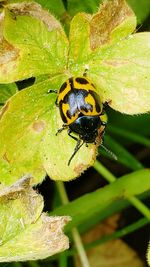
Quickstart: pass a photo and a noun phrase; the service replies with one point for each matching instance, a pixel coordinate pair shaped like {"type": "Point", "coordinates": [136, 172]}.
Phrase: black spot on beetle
{"type": "Point", "coordinates": [61, 113]}
{"type": "Point", "coordinates": [81, 80]}
{"type": "Point", "coordinates": [93, 85]}
{"type": "Point", "coordinates": [63, 87]}
{"type": "Point", "coordinates": [68, 114]}
{"type": "Point", "coordinates": [98, 109]}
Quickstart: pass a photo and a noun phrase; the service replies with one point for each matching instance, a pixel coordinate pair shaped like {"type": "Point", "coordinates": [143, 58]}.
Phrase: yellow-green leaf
{"type": "Point", "coordinates": [114, 21]}
{"type": "Point", "coordinates": [122, 74]}
{"type": "Point", "coordinates": [117, 62]}
{"type": "Point", "coordinates": [32, 146]}
{"type": "Point", "coordinates": [25, 232]}
{"type": "Point", "coordinates": [30, 37]}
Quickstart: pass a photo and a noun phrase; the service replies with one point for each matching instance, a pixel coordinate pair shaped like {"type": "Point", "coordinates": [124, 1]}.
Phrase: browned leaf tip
{"type": "Point", "coordinates": [8, 54]}
{"type": "Point", "coordinates": [35, 10]}
{"type": "Point", "coordinates": [110, 15]}
{"type": "Point", "coordinates": [16, 189]}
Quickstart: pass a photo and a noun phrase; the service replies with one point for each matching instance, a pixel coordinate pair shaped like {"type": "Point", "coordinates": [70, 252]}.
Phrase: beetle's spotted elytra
{"type": "Point", "coordinates": [82, 111]}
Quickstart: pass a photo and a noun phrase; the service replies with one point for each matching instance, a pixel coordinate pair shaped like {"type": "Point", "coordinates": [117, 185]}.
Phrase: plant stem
{"type": "Point", "coordinates": [75, 233]}
{"type": "Point", "coordinates": [104, 172]}
{"type": "Point", "coordinates": [133, 200]}
{"type": "Point", "coordinates": [63, 260]}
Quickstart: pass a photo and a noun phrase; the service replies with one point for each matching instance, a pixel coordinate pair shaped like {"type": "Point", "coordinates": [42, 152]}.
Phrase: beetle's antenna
{"type": "Point", "coordinates": [109, 152]}
{"type": "Point", "coordinates": [77, 147]}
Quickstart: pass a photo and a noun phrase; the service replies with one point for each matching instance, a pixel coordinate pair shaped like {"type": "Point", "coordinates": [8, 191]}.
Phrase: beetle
{"type": "Point", "coordinates": [82, 111]}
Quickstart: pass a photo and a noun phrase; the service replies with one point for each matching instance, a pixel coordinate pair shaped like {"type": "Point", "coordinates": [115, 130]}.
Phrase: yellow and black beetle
{"type": "Point", "coordinates": [81, 110]}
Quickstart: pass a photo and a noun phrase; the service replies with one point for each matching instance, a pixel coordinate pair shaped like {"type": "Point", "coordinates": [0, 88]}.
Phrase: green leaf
{"type": "Point", "coordinates": [122, 74]}
{"type": "Point", "coordinates": [141, 9]}
{"type": "Point", "coordinates": [114, 21]}
{"type": "Point", "coordinates": [6, 91]}
{"type": "Point", "coordinates": [83, 208]}
{"type": "Point", "coordinates": [26, 233]}
{"type": "Point", "coordinates": [56, 7]}
{"type": "Point", "coordinates": [118, 66]}
{"type": "Point", "coordinates": [36, 119]}
{"type": "Point", "coordinates": [115, 207]}
{"type": "Point", "coordinates": [31, 53]}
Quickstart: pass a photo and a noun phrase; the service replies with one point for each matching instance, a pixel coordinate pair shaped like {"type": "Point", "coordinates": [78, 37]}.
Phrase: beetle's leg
{"type": "Point", "coordinates": [77, 147]}
{"type": "Point", "coordinates": [69, 133]}
{"type": "Point", "coordinates": [104, 123]}
{"type": "Point", "coordinates": [61, 129]}
{"type": "Point", "coordinates": [105, 105]}
{"type": "Point", "coordinates": [102, 135]}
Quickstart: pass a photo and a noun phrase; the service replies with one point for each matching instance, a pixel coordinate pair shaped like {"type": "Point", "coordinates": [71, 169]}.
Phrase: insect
{"type": "Point", "coordinates": [82, 112]}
